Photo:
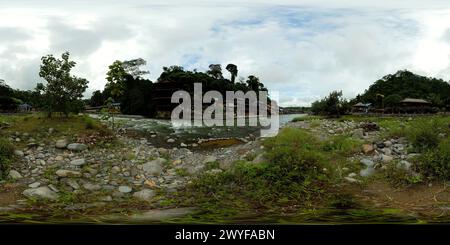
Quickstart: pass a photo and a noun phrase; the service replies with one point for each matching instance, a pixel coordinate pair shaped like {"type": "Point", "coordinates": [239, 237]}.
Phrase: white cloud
{"type": "Point", "coordinates": [304, 49]}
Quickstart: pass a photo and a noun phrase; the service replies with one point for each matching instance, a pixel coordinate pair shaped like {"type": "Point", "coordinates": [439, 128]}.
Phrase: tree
{"type": "Point", "coordinates": [63, 91]}
{"type": "Point", "coordinates": [215, 71]}
{"type": "Point", "coordinates": [97, 98]}
{"type": "Point", "coordinates": [332, 106]}
{"type": "Point", "coordinates": [232, 68]}
{"type": "Point", "coordinates": [118, 72]}
{"type": "Point", "coordinates": [116, 79]}
{"type": "Point", "coordinates": [132, 67]}
{"type": "Point", "coordinates": [392, 100]}
{"type": "Point", "coordinates": [5, 90]}
{"type": "Point", "coordinates": [254, 84]}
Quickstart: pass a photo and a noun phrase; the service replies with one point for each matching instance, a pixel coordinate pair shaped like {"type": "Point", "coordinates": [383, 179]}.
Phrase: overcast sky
{"type": "Point", "coordinates": [303, 49]}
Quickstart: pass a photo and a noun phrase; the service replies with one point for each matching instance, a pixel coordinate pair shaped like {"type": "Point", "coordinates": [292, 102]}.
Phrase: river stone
{"type": "Point", "coordinates": [170, 140]}
{"type": "Point", "coordinates": [73, 183]}
{"type": "Point", "coordinates": [367, 172]}
{"type": "Point", "coordinates": [125, 189]}
{"type": "Point", "coordinates": [404, 165]}
{"type": "Point", "coordinates": [67, 173]}
{"type": "Point", "coordinates": [386, 158]}
{"type": "Point", "coordinates": [34, 185]}
{"type": "Point", "coordinates": [145, 194]}
{"type": "Point", "coordinates": [18, 153]}
{"type": "Point", "coordinates": [351, 180]}
{"type": "Point", "coordinates": [13, 174]}
{"type": "Point", "coordinates": [78, 162]}
{"type": "Point", "coordinates": [367, 162]}
{"type": "Point", "coordinates": [77, 147]}
{"type": "Point", "coordinates": [91, 187]}
{"type": "Point", "coordinates": [366, 148]}
{"type": "Point", "coordinates": [41, 192]}
{"type": "Point", "coordinates": [358, 133]}
{"type": "Point", "coordinates": [210, 159]}
{"type": "Point", "coordinates": [61, 144]}
{"type": "Point", "coordinates": [154, 167]}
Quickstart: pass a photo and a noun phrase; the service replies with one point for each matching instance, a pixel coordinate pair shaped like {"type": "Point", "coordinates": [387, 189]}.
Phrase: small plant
{"type": "Point", "coordinates": [181, 172]}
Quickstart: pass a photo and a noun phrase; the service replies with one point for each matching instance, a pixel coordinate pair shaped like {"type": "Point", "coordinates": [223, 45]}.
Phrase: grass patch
{"type": "Point", "coordinates": [6, 156]}
{"type": "Point", "coordinates": [38, 125]}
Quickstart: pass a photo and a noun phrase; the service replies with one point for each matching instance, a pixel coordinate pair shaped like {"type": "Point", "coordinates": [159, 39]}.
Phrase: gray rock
{"type": "Point", "coordinates": [386, 158]}
{"type": "Point", "coordinates": [367, 172]}
{"type": "Point", "coordinates": [209, 159]}
{"type": "Point", "coordinates": [18, 153]}
{"type": "Point", "coordinates": [404, 165]}
{"type": "Point", "coordinates": [13, 174]}
{"type": "Point", "coordinates": [77, 147]}
{"type": "Point", "coordinates": [91, 187]}
{"type": "Point", "coordinates": [145, 194]}
{"type": "Point", "coordinates": [170, 140]}
{"type": "Point", "coordinates": [61, 144]}
{"type": "Point", "coordinates": [154, 167]}
{"type": "Point", "coordinates": [388, 143]}
{"type": "Point", "coordinates": [367, 162]}
{"type": "Point", "coordinates": [67, 173]}
{"type": "Point", "coordinates": [34, 185]}
{"type": "Point", "coordinates": [386, 151]}
{"type": "Point", "coordinates": [125, 189]}
{"type": "Point", "coordinates": [41, 193]}
{"type": "Point", "coordinates": [358, 133]}
{"type": "Point", "coordinates": [78, 162]}
{"type": "Point", "coordinates": [351, 180]}
{"type": "Point", "coordinates": [73, 183]}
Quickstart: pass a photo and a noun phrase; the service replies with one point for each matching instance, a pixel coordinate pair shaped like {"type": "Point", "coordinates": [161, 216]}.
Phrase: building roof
{"type": "Point", "coordinates": [410, 100]}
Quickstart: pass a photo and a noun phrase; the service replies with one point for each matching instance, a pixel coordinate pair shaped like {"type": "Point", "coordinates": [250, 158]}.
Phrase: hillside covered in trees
{"type": "Point", "coordinates": [387, 92]}
{"type": "Point", "coordinates": [405, 84]}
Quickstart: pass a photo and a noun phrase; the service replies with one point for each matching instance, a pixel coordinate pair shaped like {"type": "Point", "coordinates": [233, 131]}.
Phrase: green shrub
{"type": "Point", "coordinates": [6, 154]}
{"type": "Point", "coordinates": [424, 136]}
{"type": "Point", "coordinates": [293, 173]}
{"type": "Point", "coordinates": [435, 163]}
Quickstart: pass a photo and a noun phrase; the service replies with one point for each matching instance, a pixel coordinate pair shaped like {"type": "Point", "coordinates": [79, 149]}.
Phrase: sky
{"type": "Point", "coordinates": [302, 49]}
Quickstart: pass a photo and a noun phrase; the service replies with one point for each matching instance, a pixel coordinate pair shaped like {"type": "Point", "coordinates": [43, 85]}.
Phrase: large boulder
{"type": "Point", "coordinates": [77, 147]}
{"type": "Point", "coordinates": [41, 193]}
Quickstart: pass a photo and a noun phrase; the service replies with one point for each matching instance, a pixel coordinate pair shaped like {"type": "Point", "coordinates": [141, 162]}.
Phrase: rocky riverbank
{"type": "Point", "coordinates": [133, 171]}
